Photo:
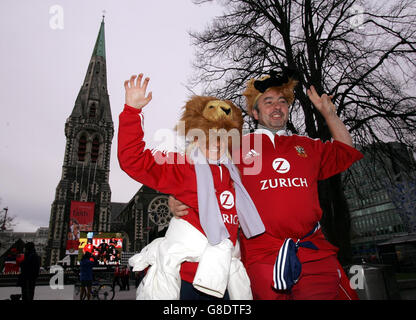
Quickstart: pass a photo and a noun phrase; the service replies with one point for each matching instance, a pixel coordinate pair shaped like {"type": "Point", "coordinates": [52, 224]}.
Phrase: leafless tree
{"type": "Point", "coordinates": [362, 53]}
{"type": "Point", "coordinates": [6, 221]}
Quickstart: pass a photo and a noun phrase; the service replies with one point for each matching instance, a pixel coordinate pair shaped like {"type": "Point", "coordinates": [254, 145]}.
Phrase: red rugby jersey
{"type": "Point", "coordinates": [281, 173]}
{"type": "Point", "coordinates": [170, 173]}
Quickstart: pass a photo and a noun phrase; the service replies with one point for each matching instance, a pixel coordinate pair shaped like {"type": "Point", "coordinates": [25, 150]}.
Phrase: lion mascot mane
{"type": "Point", "coordinates": [209, 113]}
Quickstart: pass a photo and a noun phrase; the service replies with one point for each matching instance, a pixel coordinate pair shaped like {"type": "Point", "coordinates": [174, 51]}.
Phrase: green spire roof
{"type": "Point", "coordinates": [99, 49]}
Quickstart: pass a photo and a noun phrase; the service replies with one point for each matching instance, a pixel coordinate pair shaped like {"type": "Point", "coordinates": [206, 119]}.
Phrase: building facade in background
{"type": "Point", "coordinates": [376, 198]}
{"type": "Point", "coordinates": [144, 218]}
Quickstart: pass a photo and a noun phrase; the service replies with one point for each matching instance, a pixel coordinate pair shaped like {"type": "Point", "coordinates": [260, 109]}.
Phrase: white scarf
{"type": "Point", "coordinates": [209, 212]}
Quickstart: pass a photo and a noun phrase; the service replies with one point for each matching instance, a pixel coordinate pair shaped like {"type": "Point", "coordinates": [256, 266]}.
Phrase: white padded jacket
{"type": "Point", "coordinates": [219, 267]}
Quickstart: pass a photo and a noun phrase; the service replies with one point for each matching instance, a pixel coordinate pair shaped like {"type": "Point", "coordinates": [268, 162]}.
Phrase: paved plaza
{"type": "Point", "coordinates": [69, 292]}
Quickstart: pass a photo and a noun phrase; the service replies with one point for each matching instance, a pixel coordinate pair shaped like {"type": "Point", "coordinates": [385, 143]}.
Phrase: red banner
{"type": "Point", "coordinates": [80, 219]}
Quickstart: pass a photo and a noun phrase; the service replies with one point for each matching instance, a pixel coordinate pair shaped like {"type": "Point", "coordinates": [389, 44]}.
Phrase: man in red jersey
{"type": "Point", "coordinates": [292, 259]}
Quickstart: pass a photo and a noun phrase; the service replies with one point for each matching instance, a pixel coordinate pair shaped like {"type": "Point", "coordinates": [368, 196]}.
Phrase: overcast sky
{"type": "Point", "coordinates": [43, 67]}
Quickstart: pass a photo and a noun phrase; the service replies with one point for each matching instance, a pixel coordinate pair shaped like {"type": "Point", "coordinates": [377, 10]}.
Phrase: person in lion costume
{"type": "Point", "coordinates": [199, 257]}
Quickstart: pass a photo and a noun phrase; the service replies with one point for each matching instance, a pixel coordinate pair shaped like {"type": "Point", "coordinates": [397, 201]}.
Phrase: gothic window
{"type": "Point", "coordinates": [90, 68]}
{"type": "Point", "coordinates": [82, 148]}
{"type": "Point", "coordinates": [95, 149]}
{"type": "Point", "coordinates": [93, 109]}
{"type": "Point", "coordinates": [159, 212]}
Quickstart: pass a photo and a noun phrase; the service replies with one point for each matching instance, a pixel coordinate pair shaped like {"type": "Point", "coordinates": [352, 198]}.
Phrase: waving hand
{"type": "Point", "coordinates": [136, 92]}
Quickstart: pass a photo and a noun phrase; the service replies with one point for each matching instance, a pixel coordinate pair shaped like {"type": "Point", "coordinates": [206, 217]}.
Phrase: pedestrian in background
{"type": "Point", "coordinates": [126, 278]}
{"type": "Point", "coordinates": [86, 275]}
{"type": "Point", "coordinates": [30, 267]}
{"type": "Point", "coordinates": [116, 278]}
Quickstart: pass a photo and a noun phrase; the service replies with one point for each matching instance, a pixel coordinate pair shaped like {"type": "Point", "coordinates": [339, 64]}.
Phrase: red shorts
{"type": "Point", "coordinates": [319, 280]}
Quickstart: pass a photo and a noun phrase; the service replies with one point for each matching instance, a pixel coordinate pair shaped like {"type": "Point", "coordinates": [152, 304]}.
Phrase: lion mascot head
{"type": "Point", "coordinates": [211, 118]}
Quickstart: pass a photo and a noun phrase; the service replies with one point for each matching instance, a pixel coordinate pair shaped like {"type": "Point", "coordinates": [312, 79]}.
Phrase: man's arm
{"type": "Point", "coordinates": [327, 109]}
{"type": "Point", "coordinates": [154, 169]}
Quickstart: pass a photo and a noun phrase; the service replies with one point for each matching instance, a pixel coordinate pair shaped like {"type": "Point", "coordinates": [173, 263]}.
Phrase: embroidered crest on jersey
{"type": "Point", "coordinates": [301, 152]}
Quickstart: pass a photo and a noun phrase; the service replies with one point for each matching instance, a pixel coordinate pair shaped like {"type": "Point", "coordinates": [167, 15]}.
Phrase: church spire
{"type": "Point", "coordinates": [92, 102]}
{"type": "Point", "coordinates": [99, 48]}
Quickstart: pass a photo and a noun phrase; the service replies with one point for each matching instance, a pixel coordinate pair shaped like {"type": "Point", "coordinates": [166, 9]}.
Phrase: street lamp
{"type": "Point", "coordinates": [3, 227]}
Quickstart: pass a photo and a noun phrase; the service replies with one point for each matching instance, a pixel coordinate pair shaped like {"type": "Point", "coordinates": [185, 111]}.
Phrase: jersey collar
{"type": "Point", "coordinates": [283, 132]}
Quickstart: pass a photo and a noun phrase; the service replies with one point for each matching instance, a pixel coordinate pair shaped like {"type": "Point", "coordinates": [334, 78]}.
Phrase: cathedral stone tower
{"type": "Point", "coordinates": [84, 191]}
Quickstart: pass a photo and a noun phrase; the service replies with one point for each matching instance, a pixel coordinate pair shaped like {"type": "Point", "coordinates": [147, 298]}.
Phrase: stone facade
{"type": "Point", "coordinates": [143, 219]}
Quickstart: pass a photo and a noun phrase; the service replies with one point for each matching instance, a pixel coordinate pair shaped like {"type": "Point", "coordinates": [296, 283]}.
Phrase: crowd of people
{"type": "Point", "coordinates": [121, 278]}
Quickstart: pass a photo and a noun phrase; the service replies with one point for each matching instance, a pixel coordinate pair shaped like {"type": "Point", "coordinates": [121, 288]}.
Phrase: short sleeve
{"type": "Point", "coordinates": [336, 157]}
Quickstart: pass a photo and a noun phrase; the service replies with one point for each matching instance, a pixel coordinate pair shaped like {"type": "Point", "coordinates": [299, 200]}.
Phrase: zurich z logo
{"type": "Point", "coordinates": [281, 165]}
{"type": "Point", "coordinates": [227, 199]}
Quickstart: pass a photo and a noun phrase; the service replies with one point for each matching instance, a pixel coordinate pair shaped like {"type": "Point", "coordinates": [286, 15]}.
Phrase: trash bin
{"type": "Point", "coordinates": [374, 282]}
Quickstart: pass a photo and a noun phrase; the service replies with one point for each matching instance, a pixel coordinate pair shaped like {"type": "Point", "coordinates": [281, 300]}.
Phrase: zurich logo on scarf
{"type": "Point", "coordinates": [287, 268]}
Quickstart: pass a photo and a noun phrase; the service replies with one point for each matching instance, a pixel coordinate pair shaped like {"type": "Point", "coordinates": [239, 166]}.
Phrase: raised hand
{"type": "Point", "coordinates": [327, 109]}
{"type": "Point", "coordinates": [136, 92]}
{"type": "Point", "coordinates": [322, 103]}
